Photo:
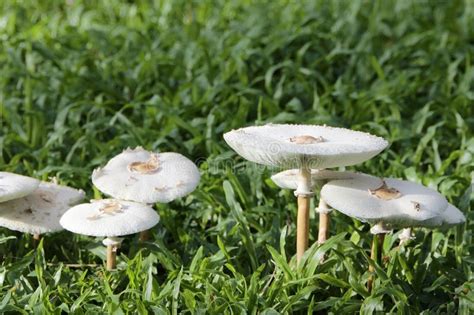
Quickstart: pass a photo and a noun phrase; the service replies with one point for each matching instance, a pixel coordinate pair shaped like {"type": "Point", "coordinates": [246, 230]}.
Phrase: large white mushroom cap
{"type": "Point", "coordinates": [14, 186]}
{"type": "Point", "coordinates": [449, 217]}
{"type": "Point", "coordinates": [310, 146]}
{"type": "Point", "coordinates": [394, 202]}
{"type": "Point", "coordinates": [109, 217]}
{"type": "Point", "coordinates": [39, 212]}
{"type": "Point", "coordinates": [142, 176]}
{"type": "Point", "coordinates": [289, 179]}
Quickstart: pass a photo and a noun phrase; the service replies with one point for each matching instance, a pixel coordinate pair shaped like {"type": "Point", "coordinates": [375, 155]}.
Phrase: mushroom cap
{"type": "Point", "coordinates": [279, 145]}
{"type": "Point", "coordinates": [39, 212]}
{"type": "Point", "coordinates": [172, 176]}
{"type": "Point", "coordinates": [13, 186]}
{"type": "Point", "coordinates": [352, 197]}
{"type": "Point", "coordinates": [449, 217]}
{"type": "Point", "coordinates": [289, 179]}
{"type": "Point", "coordinates": [109, 217]}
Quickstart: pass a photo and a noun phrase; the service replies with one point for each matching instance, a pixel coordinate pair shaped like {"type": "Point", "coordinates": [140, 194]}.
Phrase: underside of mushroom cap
{"type": "Point", "coordinates": [39, 212]}
{"type": "Point", "coordinates": [289, 179]}
{"type": "Point", "coordinates": [395, 202]}
{"type": "Point", "coordinates": [143, 176]}
{"type": "Point", "coordinates": [450, 217]}
{"type": "Point", "coordinates": [311, 146]}
{"type": "Point", "coordinates": [109, 217]}
{"type": "Point", "coordinates": [13, 186]}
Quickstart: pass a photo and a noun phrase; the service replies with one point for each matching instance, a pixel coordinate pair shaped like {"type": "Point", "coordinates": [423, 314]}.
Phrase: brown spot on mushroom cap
{"type": "Point", "coordinates": [29, 211]}
{"type": "Point", "coordinates": [416, 205]}
{"type": "Point", "coordinates": [147, 167]}
{"type": "Point", "coordinates": [110, 207]}
{"type": "Point", "coordinates": [384, 192]}
{"type": "Point", "coordinates": [306, 139]}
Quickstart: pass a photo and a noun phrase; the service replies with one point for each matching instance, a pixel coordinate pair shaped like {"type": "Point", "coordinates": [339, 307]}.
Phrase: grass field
{"type": "Point", "coordinates": [82, 80]}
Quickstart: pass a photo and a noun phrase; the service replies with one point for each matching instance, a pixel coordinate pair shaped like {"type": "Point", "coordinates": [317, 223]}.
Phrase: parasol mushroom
{"type": "Point", "coordinates": [385, 202]}
{"type": "Point", "coordinates": [303, 147]}
{"type": "Point", "coordinates": [142, 176]}
{"type": "Point", "coordinates": [110, 218]}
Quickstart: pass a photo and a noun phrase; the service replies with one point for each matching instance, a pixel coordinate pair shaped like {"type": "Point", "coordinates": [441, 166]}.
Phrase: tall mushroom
{"type": "Point", "coordinates": [303, 147]}
{"type": "Point", "coordinates": [289, 180]}
{"type": "Point", "coordinates": [109, 218]}
{"type": "Point", "coordinates": [13, 186]}
{"type": "Point", "coordinates": [40, 211]}
{"type": "Point", "coordinates": [384, 202]}
{"type": "Point", "coordinates": [142, 176]}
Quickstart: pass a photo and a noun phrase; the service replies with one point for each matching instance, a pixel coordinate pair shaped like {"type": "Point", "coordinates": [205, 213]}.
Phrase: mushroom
{"type": "Point", "coordinates": [40, 211]}
{"type": "Point", "coordinates": [289, 180]}
{"type": "Point", "coordinates": [13, 186]}
{"type": "Point", "coordinates": [110, 218]}
{"type": "Point", "coordinates": [142, 176]}
{"type": "Point", "coordinates": [385, 202]}
{"type": "Point", "coordinates": [303, 147]}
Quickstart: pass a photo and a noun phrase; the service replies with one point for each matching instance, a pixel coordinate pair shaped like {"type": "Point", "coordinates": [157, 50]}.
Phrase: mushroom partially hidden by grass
{"type": "Point", "coordinates": [39, 212]}
{"type": "Point", "coordinates": [304, 147]}
{"type": "Point", "coordinates": [109, 218]}
{"type": "Point", "coordinates": [289, 180]}
{"type": "Point", "coordinates": [450, 217]}
{"type": "Point", "coordinates": [142, 176]}
{"type": "Point", "coordinates": [384, 202]}
{"type": "Point", "coordinates": [13, 186]}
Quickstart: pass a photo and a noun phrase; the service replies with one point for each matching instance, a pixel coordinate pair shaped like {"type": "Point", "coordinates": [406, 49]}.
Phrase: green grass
{"type": "Point", "coordinates": [81, 80]}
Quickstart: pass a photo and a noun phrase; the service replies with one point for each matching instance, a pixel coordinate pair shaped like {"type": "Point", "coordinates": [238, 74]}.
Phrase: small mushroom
{"type": "Point", "coordinates": [109, 218]}
{"type": "Point", "coordinates": [13, 186]}
{"type": "Point", "coordinates": [39, 212]}
{"type": "Point", "coordinates": [289, 180]}
{"type": "Point", "coordinates": [142, 176]}
{"type": "Point", "coordinates": [303, 147]}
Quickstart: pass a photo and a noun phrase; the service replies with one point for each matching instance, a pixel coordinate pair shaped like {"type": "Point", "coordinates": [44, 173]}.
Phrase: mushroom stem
{"type": "Point", "coordinates": [144, 235]}
{"type": "Point", "coordinates": [36, 239]}
{"type": "Point", "coordinates": [112, 243]}
{"type": "Point", "coordinates": [304, 194]}
{"type": "Point", "coordinates": [324, 221]}
{"type": "Point", "coordinates": [376, 250]}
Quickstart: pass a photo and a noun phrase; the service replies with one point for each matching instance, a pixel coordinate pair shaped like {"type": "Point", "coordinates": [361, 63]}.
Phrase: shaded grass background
{"type": "Point", "coordinates": [82, 80]}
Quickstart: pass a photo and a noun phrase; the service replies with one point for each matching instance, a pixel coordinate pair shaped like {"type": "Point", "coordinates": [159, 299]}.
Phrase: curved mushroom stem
{"type": "Point", "coordinates": [379, 230]}
{"type": "Point", "coordinates": [112, 243]}
{"type": "Point", "coordinates": [324, 221]}
{"type": "Point", "coordinates": [304, 194]}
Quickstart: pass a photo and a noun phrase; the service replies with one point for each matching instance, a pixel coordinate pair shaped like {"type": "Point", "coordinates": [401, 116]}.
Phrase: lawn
{"type": "Point", "coordinates": [82, 80]}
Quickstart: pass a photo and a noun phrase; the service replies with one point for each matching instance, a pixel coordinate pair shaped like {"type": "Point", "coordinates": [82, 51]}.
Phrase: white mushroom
{"type": "Point", "coordinates": [304, 147]}
{"type": "Point", "coordinates": [315, 147]}
{"type": "Point", "coordinates": [39, 212]}
{"type": "Point", "coordinates": [13, 186]}
{"type": "Point", "coordinates": [142, 176]}
{"type": "Point", "coordinates": [394, 202]}
{"type": "Point", "coordinates": [110, 218]}
{"type": "Point", "coordinates": [384, 202]}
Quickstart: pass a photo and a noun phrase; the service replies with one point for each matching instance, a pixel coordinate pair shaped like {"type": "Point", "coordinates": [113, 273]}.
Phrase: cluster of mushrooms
{"type": "Point", "coordinates": [306, 151]}
{"type": "Point", "coordinates": [137, 179]}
